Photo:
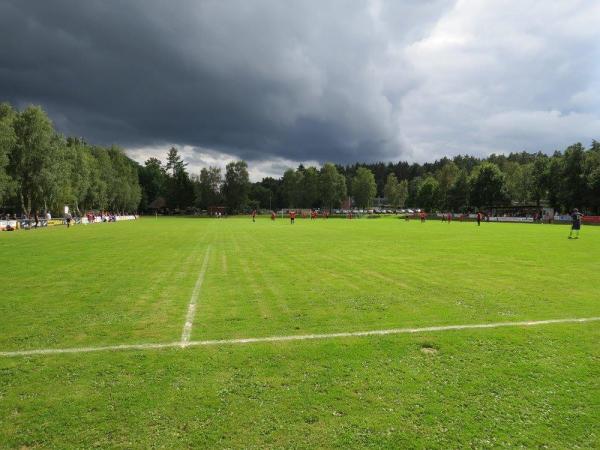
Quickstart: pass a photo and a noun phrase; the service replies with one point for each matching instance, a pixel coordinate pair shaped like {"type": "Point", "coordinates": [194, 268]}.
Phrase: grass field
{"type": "Point", "coordinates": [132, 283]}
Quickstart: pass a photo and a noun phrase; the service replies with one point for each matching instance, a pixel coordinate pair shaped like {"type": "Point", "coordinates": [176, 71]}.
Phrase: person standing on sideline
{"type": "Point", "coordinates": [292, 216]}
{"type": "Point", "coordinates": [576, 223]}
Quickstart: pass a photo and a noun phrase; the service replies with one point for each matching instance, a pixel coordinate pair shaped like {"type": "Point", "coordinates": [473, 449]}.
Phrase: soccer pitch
{"type": "Point", "coordinates": [228, 333]}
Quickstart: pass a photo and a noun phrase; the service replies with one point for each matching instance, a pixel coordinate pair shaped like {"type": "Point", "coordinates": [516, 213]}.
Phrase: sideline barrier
{"type": "Point", "coordinates": [29, 224]}
{"type": "Point", "coordinates": [511, 219]}
{"type": "Point", "coordinates": [591, 219]}
{"type": "Point", "coordinates": [558, 218]}
{"type": "Point", "coordinates": [4, 224]}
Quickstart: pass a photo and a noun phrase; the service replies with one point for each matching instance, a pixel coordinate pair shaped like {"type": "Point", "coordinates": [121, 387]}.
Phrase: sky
{"type": "Point", "coordinates": [279, 83]}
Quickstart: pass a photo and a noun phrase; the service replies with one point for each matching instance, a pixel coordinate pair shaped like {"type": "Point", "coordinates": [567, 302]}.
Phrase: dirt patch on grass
{"type": "Point", "coordinates": [428, 349]}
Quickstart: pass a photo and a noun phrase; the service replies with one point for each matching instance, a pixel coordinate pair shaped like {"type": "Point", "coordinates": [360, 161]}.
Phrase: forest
{"type": "Point", "coordinates": [41, 170]}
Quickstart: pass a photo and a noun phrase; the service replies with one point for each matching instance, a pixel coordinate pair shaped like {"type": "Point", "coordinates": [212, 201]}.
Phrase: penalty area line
{"type": "Point", "coordinates": [189, 318]}
{"type": "Point", "coordinates": [299, 337]}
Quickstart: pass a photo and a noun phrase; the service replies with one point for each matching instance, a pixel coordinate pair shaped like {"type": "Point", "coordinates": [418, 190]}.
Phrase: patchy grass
{"type": "Point", "coordinates": [131, 283]}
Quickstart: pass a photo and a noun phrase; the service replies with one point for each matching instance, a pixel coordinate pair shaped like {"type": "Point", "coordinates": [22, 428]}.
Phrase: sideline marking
{"type": "Point", "coordinates": [189, 318]}
{"type": "Point", "coordinates": [300, 337]}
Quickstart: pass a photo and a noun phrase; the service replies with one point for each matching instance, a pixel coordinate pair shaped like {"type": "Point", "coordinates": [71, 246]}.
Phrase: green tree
{"type": "Point", "coordinates": [574, 180]}
{"type": "Point", "coordinates": [446, 177]}
{"type": "Point", "coordinates": [8, 139]}
{"type": "Point", "coordinates": [124, 187]}
{"type": "Point", "coordinates": [458, 194]}
{"type": "Point", "coordinates": [487, 185]}
{"type": "Point", "coordinates": [402, 193]}
{"type": "Point", "coordinates": [364, 187]}
{"type": "Point", "coordinates": [237, 185]}
{"type": "Point", "coordinates": [539, 178]}
{"type": "Point", "coordinates": [310, 187]}
{"type": "Point", "coordinates": [260, 196]}
{"type": "Point", "coordinates": [519, 181]}
{"type": "Point", "coordinates": [332, 186]}
{"type": "Point", "coordinates": [32, 157]}
{"type": "Point", "coordinates": [292, 187]}
{"type": "Point", "coordinates": [555, 181]}
{"type": "Point", "coordinates": [152, 178]}
{"type": "Point", "coordinates": [414, 186]}
{"type": "Point", "coordinates": [211, 183]}
{"type": "Point", "coordinates": [396, 192]}
{"type": "Point", "coordinates": [391, 190]}
{"type": "Point", "coordinates": [174, 162]}
{"type": "Point", "coordinates": [429, 194]}
{"type": "Point", "coordinates": [179, 186]}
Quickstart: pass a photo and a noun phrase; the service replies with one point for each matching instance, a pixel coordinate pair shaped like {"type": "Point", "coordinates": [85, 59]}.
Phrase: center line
{"type": "Point", "coordinates": [189, 319]}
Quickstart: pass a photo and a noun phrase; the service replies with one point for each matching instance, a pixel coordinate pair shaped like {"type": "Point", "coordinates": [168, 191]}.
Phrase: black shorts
{"type": "Point", "coordinates": [576, 226]}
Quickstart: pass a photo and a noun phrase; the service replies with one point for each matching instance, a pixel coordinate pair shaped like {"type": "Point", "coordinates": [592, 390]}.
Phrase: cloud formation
{"type": "Point", "coordinates": [281, 82]}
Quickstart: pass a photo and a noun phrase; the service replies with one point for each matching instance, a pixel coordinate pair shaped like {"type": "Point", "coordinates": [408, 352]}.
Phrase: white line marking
{"type": "Point", "coordinates": [189, 318]}
{"type": "Point", "coordinates": [300, 337]}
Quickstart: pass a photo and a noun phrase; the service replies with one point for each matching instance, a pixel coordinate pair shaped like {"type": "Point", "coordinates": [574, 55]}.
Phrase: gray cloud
{"type": "Point", "coordinates": [308, 81]}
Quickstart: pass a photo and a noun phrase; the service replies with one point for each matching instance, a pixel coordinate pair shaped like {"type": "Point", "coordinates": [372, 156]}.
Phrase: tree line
{"type": "Point", "coordinates": [42, 170]}
{"type": "Point", "coordinates": [564, 180]}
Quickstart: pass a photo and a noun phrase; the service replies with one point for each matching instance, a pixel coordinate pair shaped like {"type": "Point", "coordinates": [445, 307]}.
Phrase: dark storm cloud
{"type": "Point", "coordinates": [309, 80]}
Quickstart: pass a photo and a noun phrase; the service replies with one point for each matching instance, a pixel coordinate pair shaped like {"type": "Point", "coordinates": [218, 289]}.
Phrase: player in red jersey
{"type": "Point", "coordinates": [292, 217]}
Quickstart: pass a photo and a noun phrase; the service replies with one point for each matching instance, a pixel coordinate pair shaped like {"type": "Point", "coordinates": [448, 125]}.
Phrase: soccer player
{"type": "Point", "coordinates": [576, 223]}
{"type": "Point", "coordinates": [479, 216]}
{"type": "Point", "coordinates": [253, 215]}
{"type": "Point", "coordinates": [273, 215]}
{"type": "Point", "coordinates": [292, 216]}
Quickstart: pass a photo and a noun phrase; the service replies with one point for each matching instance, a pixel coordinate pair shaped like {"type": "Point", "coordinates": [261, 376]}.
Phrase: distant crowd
{"type": "Point", "coordinates": [12, 222]}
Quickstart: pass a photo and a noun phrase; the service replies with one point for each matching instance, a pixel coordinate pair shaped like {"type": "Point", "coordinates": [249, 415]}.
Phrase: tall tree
{"type": "Point", "coordinates": [8, 140]}
{"type": "Point", "coordinates": [390, 190]}
{"type": "Point", "coordinates": [364, 187]}
{"type": "Point", "coordinates": [539, 178]}
{"type": "Point", "coordinates": [575, 184]}
{"type": "Point", "coordinates": [174, 162]}
{"type": "Point", "coordinates": [446, 177]}
{"type": "Point", "coordinates": [396, 192]}
{"type": "Point", "coordinates": [429, 194]}
{"type": "Point", "coordinates": [487, 185]}
{"type": "Point", "coordinates": [332, 186]}
{"type": "Point", "coordinates": [519, 181]}
{"type": "Point", "coordinates": [310, 187]}
{"type": "Point", "coordinates": [458, 194]}
{"type": "Point", "coordinates": [292, 187]}
{"type": "Point", "coordinates": [152, 177]}
{"type": "Point", "coordinates": [237, 185]}
{"type": "Point", "coordinates": [211, 183]}
{"type": "Point", "coordinates": [32, 157]}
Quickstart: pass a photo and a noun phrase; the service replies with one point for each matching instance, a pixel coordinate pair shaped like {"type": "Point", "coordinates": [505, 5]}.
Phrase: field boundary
{"type": "Point", "coordinates": [300, 337]}
{"type": "Point", "coordinates": [191, 314]}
